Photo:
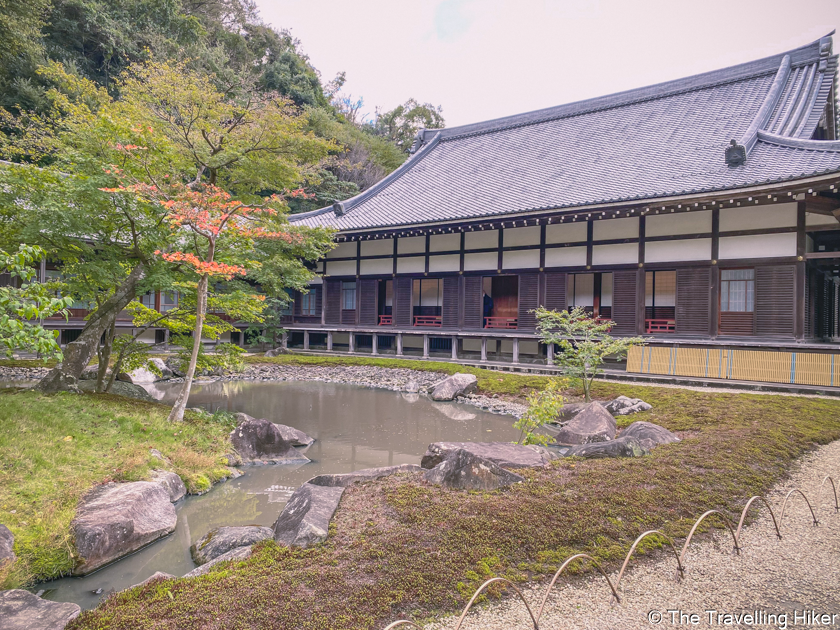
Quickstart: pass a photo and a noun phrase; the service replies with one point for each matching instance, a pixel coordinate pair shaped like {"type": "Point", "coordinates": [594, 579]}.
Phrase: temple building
{"type": "Point", "coordinates": [701, 213]}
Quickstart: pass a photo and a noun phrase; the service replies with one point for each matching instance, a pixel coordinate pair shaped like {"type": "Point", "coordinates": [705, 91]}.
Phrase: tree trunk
{"type": "Point", "coordinates": [105, 356]}
{"type": "Point", "coordinates": [177, 413]}
{"type": "Point", "coordinates": [78, 353]}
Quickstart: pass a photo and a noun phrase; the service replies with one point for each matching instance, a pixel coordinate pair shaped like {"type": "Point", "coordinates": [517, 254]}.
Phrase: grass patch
{"type": "Point", "coordinates": [28, 363]}
{"type": "Point", "coordinates": [401, 548]}
{"type": "Point", "coordinates": [55, 448]}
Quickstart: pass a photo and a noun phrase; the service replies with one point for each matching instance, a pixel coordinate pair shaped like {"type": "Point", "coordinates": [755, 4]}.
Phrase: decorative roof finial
{"type": "Point", "coordinates": [338, 209]}
{"type": "Point", "coordinates": [736, 154]}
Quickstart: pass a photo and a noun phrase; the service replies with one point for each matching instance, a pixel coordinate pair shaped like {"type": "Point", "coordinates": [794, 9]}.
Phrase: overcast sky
{"type": "Point", "coordinates": [482, 59]}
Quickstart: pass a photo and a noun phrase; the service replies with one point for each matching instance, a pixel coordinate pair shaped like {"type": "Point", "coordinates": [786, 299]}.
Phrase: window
{"type": "Point", "coordinates": [591, 291]}
{"type": "Point", "coordinates": [660, 294]}
{"type": "Point", "coordinates": [168, 301]}
{"type": "Point", "coordinates": [348, 296]}
{"type": "Point", "coordinates": [307, 304]}
{"type": "Point", "coordinates": [737, 290]}
{"type": "Point", "coordinates": [148, 300]}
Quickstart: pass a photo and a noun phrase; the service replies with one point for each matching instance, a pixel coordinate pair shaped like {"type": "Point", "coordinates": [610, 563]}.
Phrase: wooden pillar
{"type": "Point", "coordinates": [352, 342]}
{"type": "Point", "coordinates": [425, 346]}
{"type": "Point", "coordinates": [549, 354]}
{"type": "Point", "coordinates": [515, 350]}
{"type": "Point", "coordinates": [801, 274]}
{"type": "Point", "coordinates": [714, 284]}
{"type": "Point", "coordinates": [484, 349]}
{"type": "Point", "coordinates": [329, 341]}
{"type": "Point", "coordinates": [374, 343]}
{"type": "Point", "coordinates": [166, 339]}
{"type": "Point", "coordinates": [306, 340]}
{"type": "Point", "coordinates": [399, 345]}
{"type": "Point", "coordinates": [454, 348]}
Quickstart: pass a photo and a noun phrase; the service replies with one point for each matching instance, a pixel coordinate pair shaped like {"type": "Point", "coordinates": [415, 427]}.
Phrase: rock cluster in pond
{"type": "Point", "coordinates": [22, 610]}
{"type": "Point", "coordinates": [170, 482]}
{"type": "Point", "coordinates": [462, 470]}
{"type": "Point", "coordinates": [593, 423]}
{"type": "Point", "coordinates": [290, 434]}
{"type": "Point", "coordinates": [116, 519]}
{"type": "Point", "coordinates": [239, 553]}
{"type": "Point", "coordinates": [7, 546]}
{"type": "Point", "coordinates": [144, 375]}
{"type": "Point", "coordinates": [620, 447]}
{"type": "Point", "coordinates": [306, 518]}
{"type": "Point", "coordinates": [220, 540]}
{"type": "Point", "coordinates": [502, 454]}
{"type": "Point", "coordinates": [261, 441]}
{"type": "Point", "coordinates": [454, 386]}
{"type": "Point", "coordinates": [360, 476]}
{"type": "Point", "coordinates": [649, 435]}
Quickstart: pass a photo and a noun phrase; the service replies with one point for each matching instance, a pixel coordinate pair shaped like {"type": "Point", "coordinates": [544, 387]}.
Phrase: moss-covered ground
{"type": "Point", "coordinates": [55, 448]}
{"type": "Point", "coordinates": [401, 548]}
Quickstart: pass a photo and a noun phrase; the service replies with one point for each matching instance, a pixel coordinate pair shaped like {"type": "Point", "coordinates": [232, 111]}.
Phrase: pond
{"type": "Point", "coordinates": [354, 427]}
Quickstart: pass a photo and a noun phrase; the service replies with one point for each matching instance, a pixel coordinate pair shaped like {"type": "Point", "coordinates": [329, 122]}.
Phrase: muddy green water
{"type": "Point", "coordinates": [354, 428]}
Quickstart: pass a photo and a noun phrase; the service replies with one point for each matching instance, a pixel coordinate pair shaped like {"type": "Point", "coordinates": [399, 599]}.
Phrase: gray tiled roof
{"type": "Point", "coordinates": [654, 142]}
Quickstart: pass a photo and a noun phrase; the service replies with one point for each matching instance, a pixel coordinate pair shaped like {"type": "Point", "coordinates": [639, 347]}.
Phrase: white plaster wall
{"type": "Point", "coordinates": [529, 347]}
{"type": "Point", "coordinates": [478, 262]}
{"type": "Point", "coordinates": [619, 254]}
{"type": "Point", "coordinates": [378, 247]}
{"type": "Point", "coordinates": [472, 345]}
{"type": "Point", "coordinates": [444, 242]}
{"type": "Point", "coordinates": [319, 266]}
{"type": "Point", "coordinates": [812, 218]}
{"type": "Point", "coordinates": [148, 336]}
{"type": "Point", "coordinates": [414, 264]}
{"type": "Point", "coordinates": [412, 341]}
{"type": "Point", "coordinates": [565, 233]}
{"type": "Point", "coordinates": [683, 223]}
{"type": "Point", "coordinates": [343, 250]}
{"type": "Point", "coordinates": [481, 239]}
{"type": "Point", "coordinates": [565, 257]}
{"type": "Point", "coordinates": [758, 217]}
{"type": "Point", "coordinates": [317, 280]}
{"type": "Point", "coordinates": [606, 229]}
{"type": "Point", "coordinates": [448, 262]}
{"type": "Point", "coordinates": [522, 259]}
{"type": "Point", "coordinates": [411, 245]}
{"type": "Point", "coordinates": [341, 338]}
{"type": "Point", "coordinates": [758, 246]}
{"type": "Point", "coordinates": [377, 266]}
{"type": "Point", "coordinates": [668, 251]}
{"type": "Point", "coordinates": [515, 237]}
{"type": "Point", "coordinates": [341, 268]}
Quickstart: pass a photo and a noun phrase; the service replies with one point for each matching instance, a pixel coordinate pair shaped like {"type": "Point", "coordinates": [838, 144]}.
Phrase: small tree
{"type": "Point", "coordinates": [22, 308]}
{"type": "Point", "coordinates": [543, 407]}
{"type": "Point", "coordinates": [584, 342]}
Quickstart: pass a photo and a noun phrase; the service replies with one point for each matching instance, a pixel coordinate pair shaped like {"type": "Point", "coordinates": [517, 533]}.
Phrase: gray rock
{"type": "Point", "coordinates": [174, 364]}
{"type": "Point", "coordinates": [158, 455]}
{"type": "Point", "coordinates": [138, 376]}
{"type": "Point", "coordinates": [116, 519]}
{"type": "Point", "coordinates": [220, 540]}
{"type": "Point", "coordinates": [171, 482]}
{"type": "Point", "coordinates": [306, 518]}
{"type": "Point", "coordinates": [412, 387]}
{"type": "Point", "coordinates": [89, 373]}
{"type": "Point", "coordinates": [502, 454]}
{"type": "Point", "coordinates": [454, 386]}
{"type": "Point", "coordinates": [649, 435]}
{"type": "Point", "coordinates": [22, 610]}
{"type": "Point", "coordinates": [239, 553]}
{"type": "Point", "coordinates": [7, 546]}
{"type": "Point", "coordinates": [275, 352]}
{"type": "Point", "coordinates": [620, 447]}
{"type": "Point", "coordinates": [157, 575]}
{"type": "Point", "coordinates": [119, 388]}
{"type": "Point", "coordinates": [165, 371]}
{"type": "Point", "coordinates": [623, 406]}
{"type": "Point", "coordinates": [592, 424]}
{"type": "Point", "coordinates": [569, 411]}
{"type": "Point", "coordinates": [261, 441]}
{"type": "Point", "coordinates": [290, 434]}
{"type": "Point", "coordinates": [360, 476]}
{"type": "Point", "coordinates": [463, 470]}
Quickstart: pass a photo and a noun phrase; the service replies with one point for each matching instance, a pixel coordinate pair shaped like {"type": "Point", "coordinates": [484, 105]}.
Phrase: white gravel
{"type": "Point", "coordinates": [784, 577]}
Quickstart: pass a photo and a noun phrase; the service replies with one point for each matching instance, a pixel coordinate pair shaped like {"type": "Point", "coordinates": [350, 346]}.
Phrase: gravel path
{"type": "Point", "coordinates": [784, 577]}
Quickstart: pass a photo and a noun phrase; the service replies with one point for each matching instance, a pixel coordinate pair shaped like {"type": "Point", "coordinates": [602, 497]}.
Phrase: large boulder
{"type": "Point", "coordinates": [115, 519]}
{"type": "Point", "coordinates": [174, 365]}
{"type": "Point", "coordinates": [260, 440]}
{"type": "Point", "coordinates": [592, 424]}
{"type": "Point", "coordinates": [7, 546]}
{"type": "Point", "coordinates": [463, 470]}
{"type": "Point", "coordinates": [620, 447]}
{"type": "Point", "coordinates": [140, 376]}
{"type": "Point", "coordinates": [220, 540]}
{"type": "Point", "coordinates": [649, 435]}
{"type": "Point", "coordinates": [502, 454]}
{"type": "Point", "coordinates": [306, 518]}
{"type": "Point", "coordinates": [238, 553]}
{"type": "Point", "coordinates": [22, 610]}
{"type": "Point", "coordinates": [275, 352]}
{"type": "Point", "coordinates": [119, 388]}
{"type": "Point", "coordinates": [623, 406]}
{"type": "Point", "coordinates": [360, 476]}
{"type": "Point", "coordinates": [290, 434]}
{"type": "Point", "coordinates": [171, 482]}
{"type": "Point", "coordinates": [569, 411]}
{"type": "Point", "coordinates": [456, 385]}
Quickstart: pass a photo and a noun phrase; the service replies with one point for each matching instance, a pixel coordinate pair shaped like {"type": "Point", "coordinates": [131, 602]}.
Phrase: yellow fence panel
{"type": "Point", "coordinates": [813, 369]}
{"type": "Point", "coordinates": [692, 362]}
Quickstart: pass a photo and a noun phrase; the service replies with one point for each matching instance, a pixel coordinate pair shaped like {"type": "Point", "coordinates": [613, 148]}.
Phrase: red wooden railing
{"type": "Point", "coordinates": [500, 322]}
{"type": "Point", "coordinates": [428, 320]}
{"type": "Point", "coordinates": [386, 320]}
{"type": "Point", "coordinates": [660, 326]}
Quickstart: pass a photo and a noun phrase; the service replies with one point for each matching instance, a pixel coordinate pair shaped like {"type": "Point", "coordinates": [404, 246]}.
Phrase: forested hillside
{"type": "Point", "coordinates": [224, 39]}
